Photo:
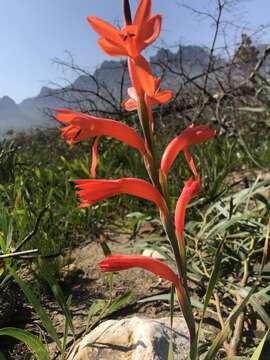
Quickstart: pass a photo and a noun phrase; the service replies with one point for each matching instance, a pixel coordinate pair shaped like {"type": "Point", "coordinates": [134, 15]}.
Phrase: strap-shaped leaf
{"type": "Point", "coordinates": [257, 353]}
{"type": "Point", "coordinates": [29, 340]}
{"type": "Point", "coordinates": [46, 321]}
{"type": "Point", "coordinates": [224, 333]}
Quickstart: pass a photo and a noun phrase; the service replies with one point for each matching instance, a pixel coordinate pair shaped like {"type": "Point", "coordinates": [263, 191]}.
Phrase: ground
{"type": "Point", "coordinates": [82, 278]}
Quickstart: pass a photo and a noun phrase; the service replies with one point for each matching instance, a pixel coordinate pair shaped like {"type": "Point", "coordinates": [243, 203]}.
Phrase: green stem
{"type": "Point", "coordinates": [166, 218]}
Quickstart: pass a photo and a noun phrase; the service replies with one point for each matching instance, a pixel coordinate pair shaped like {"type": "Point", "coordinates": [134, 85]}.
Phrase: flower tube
{"type": "Point", "coordinates": [157, 98]}
{"type": "Point", "coordinates": [194, 134]}
{"type": "Point", "coordinates": [118, 262]}
{"type": "Point", "coordinates": [192, 188]}
{"type": "Point", "coordinates": [81, 127]}
{"type": "Point", "coordinates": [93, 190]}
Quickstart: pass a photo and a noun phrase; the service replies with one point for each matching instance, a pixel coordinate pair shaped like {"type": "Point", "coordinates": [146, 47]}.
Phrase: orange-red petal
{"type": "Point", "coordinates": [194, 134]}
{"type": "Point", "coordinates": [130, 104]}
{"type": "Point", "coordinates": [92, 190]}
{"type": "Point", "coordinates": [105, 30]}
{"type": "Point", "coordinates": [152, 29]}
{"type": "Point", "coordinates": [190, 162]}
{"type": "Point", "coordinates": [135, 81]}
{"type": "Point", "coordinates": [111, 48]}
{"type": "Point", "coordinates": [118, 262]}
{"type": "Point", "coordinates": [143, 12]}
{"type": "Point", "coordinates": [144, 75]}
{"type": "Point", "coordinates": [162, 97]}
{"type": "Point", "coordinates": [82, 126]}
{"type": "Point", "coordinates": [94, 157]}
{"type": "Point", "coordinates": [191, 189]}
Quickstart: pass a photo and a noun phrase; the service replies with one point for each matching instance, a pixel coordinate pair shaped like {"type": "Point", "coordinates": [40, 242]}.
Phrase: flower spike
{"type": "Point", "coordinates": [91, 191]}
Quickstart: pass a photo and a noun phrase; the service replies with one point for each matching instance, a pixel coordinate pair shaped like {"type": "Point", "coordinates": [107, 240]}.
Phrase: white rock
{"type": "Point", "coordinates": [133, 339]}
{"type": "Point", "coordinates": [153, 253]}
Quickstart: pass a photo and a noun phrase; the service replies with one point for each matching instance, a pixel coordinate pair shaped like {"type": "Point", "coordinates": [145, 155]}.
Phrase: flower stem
{"type": "Point", "coordinates": [167, 222]}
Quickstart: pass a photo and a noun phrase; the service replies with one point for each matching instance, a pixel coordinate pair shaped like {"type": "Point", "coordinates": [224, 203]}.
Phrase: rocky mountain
{"type": "Point", "coordinates": [104, 89]}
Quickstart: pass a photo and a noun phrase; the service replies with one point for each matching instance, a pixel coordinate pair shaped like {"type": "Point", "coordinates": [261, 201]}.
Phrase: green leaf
{"type": "Point", "coordinates": [136, 215]}
{"type": "Point", "coordinates": [158, 297]}
{"type": "Point", "coordinates": [255, 303]}
{"type": "Point", "coordinates": [28, 339]}
{"type": "Point", "coordinates": [2, 356]}
{"type": "Point", "coordinates": [257, 353]}
{"type": "Point", "coordinates": [46, 321]}
{"type": "Point", "coordinates": [210, 288]}
{"type": "Point", "coordinates": [236, 358]}
{"type": "Point", "coordinates": [94, 309]}
{"type": "Point", "coordinates": [59, 296]}
{"type": "Point", "coordinates": [105, 248]}
{"type": "Point", "coordinates": [224, 333]}
{"type": "Point", "coordinates": [172, 304]}
{"type": "Point", "coordinates": [64, 342]}
{"type": "Point", "coordinates": [120, 302]}
{"type": "Point", "coordinates": [170, 351]}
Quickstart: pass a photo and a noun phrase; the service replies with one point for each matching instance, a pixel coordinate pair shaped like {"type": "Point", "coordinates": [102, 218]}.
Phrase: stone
{"type": "Point", "coordinates": [153, 253]}
{"type": "Point", "coordinates": [136, 338]}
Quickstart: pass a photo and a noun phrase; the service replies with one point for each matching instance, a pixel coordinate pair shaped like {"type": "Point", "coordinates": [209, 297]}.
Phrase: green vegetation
{"type": "Point", "coordinates": [39, 213]}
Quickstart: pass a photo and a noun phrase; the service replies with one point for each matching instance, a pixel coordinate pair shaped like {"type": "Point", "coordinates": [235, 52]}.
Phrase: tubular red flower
{"type": "Point", "coordinates": [118, 262]}
{"type": "Point", "coordinates": [133, 37]}
{"type": "Point", "coordinates": [94, 157]}
{"type": "Point", "coordinates": [194, 134]}
{"type": "Point", "coordinates": [91, 191]}
{"type": "Point", "coordinates": [141, 76]}
{"type": "Point", "coordinates": [157, 98]}
{"type": "Point", "coordinates": [82, 126]}
{"type": "Point", "coordinates": [191, 189]}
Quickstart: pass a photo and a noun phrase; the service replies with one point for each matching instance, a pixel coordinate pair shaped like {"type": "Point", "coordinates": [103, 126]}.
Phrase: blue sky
{"type": "Point", "coordinates": [33, 32]}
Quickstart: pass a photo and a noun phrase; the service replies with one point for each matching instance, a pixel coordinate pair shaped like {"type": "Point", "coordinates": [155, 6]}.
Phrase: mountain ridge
{"type": "Point", "coordinates": [108, 80]}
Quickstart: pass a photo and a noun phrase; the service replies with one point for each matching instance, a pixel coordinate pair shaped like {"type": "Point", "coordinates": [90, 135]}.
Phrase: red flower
{"type": "Point", "coordinates": [157, 98]}
{"type": "Point", "coordinates": [141, 76]}
{"type": "Point", "coordinates": [194, 134]}
{"type": "Point", "coordinates": [118, 262]}
{"type": "Point", "coordinates": [91, 191]}
{"type": "Point", "coordinates": [82, 126]}
{"type": "Point", "coordinates": [94, 157]}
{"type": "Point", "coordinates": [133, 37]}
{"type": "Point", "coordinates": [191, 189]}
